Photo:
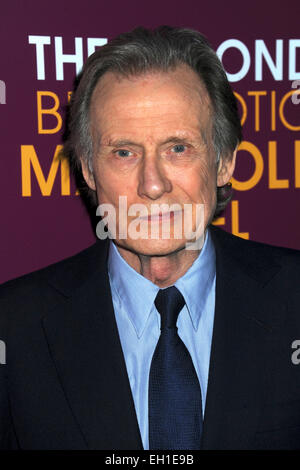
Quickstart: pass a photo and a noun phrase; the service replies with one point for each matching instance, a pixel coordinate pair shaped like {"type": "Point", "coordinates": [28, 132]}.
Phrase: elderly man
{"type": "Point", "coordinates": [168, 333]}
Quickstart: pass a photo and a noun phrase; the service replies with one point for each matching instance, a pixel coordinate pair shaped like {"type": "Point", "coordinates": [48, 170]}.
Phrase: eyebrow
{"type": "Point", "coordinates": [120, 143]}
{"type": "Point", "coordinates": [171, 139]}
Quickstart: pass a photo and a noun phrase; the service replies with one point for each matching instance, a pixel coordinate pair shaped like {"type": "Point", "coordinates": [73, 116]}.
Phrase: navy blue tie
{"type": "Point", "coordinates": [175, 405]}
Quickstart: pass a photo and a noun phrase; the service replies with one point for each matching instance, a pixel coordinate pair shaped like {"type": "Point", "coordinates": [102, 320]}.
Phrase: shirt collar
{"type": "Point", "coordinates": [194, 285]}
{"type": "Point", "coordinates": [126, 283]}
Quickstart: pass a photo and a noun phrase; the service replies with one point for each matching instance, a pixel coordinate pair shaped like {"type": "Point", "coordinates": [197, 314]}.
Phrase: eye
{"type": "Point", "coordinates": [179, 148]}
{"type": "Point", "coordinates": [123, 153]}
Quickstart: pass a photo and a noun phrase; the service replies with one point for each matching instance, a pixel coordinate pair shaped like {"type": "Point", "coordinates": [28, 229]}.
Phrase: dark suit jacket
{"type": "Point", "coordinates": [65, 386]}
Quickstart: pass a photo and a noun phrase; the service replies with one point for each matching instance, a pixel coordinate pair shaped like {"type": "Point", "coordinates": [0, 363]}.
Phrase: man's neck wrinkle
{"type": "Point", "coordinates": [163, 271]}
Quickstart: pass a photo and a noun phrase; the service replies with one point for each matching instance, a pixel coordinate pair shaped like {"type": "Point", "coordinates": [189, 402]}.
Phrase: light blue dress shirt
{"type": "Point", "coordinates": [138, 321]}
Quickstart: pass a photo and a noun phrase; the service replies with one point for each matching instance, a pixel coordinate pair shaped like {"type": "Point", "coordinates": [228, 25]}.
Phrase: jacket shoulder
{"type": "Point", "coordinates": [261, 261]}
{"type": "Point", "coordinates": [239, 245]}
{"type": "Point", "coordinates": [40, 290]}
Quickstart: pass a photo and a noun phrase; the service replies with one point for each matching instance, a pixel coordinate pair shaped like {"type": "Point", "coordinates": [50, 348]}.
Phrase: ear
{"type": "Point", "coordinates": [87, 174]}
{"type": "Point", "coordinates": [226, 168]}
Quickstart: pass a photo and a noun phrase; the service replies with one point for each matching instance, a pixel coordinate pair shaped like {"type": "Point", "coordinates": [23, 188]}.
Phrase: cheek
{"type": "Point", "coordinates": [110, 186]}
{"type": "Point", "coordinates": [200, 184]}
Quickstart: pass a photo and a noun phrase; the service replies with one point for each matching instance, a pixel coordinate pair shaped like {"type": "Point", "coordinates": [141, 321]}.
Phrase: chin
{"type": "Point", "coordinates": [152, 247]}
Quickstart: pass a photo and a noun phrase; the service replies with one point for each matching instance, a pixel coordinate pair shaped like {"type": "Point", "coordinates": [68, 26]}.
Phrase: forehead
{"type": "Point", "coordinates": [151, 100]}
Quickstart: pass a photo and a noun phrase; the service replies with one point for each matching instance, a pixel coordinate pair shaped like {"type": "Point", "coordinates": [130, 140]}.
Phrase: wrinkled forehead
{"type": "Point", "coordinates": [152, 95]}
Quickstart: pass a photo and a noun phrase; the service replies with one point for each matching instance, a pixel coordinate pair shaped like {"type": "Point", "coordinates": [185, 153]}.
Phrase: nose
{"type": "Point", "coordinates": [153, 182]}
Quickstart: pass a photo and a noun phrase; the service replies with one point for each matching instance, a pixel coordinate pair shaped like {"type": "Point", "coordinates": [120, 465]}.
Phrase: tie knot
{"type": "Point", "coordinates": [169, 302]}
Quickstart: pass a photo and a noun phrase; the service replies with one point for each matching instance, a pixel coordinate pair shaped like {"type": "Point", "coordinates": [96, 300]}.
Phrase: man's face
{"type": "Point", "coordinates": [152, 138]}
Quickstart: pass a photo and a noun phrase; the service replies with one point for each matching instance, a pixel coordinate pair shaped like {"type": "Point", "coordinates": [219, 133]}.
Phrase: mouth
{"type": "Point", "coordinates": [161, 216]}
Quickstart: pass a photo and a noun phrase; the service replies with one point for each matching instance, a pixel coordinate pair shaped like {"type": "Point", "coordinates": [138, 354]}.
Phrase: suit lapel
{"type": "Point", "coordinates": [84, 343]}
{"type": "Point", "coordinates": [244, 336]}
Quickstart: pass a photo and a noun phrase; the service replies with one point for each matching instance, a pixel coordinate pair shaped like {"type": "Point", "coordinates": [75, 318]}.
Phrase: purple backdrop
{"type": "Point", "coordinates": [39, 229]}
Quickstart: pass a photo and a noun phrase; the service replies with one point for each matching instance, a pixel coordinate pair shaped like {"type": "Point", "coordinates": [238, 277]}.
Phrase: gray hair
{"type": "Point", "coordinates": [141, 51]}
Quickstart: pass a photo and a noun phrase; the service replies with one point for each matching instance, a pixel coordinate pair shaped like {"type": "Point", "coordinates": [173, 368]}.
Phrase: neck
{"type": "Point", "coordinates": [161, 270]}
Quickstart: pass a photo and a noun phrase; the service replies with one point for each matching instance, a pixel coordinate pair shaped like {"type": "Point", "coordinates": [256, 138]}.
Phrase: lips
{"type": "Point", "coordinates": [160, 216]}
